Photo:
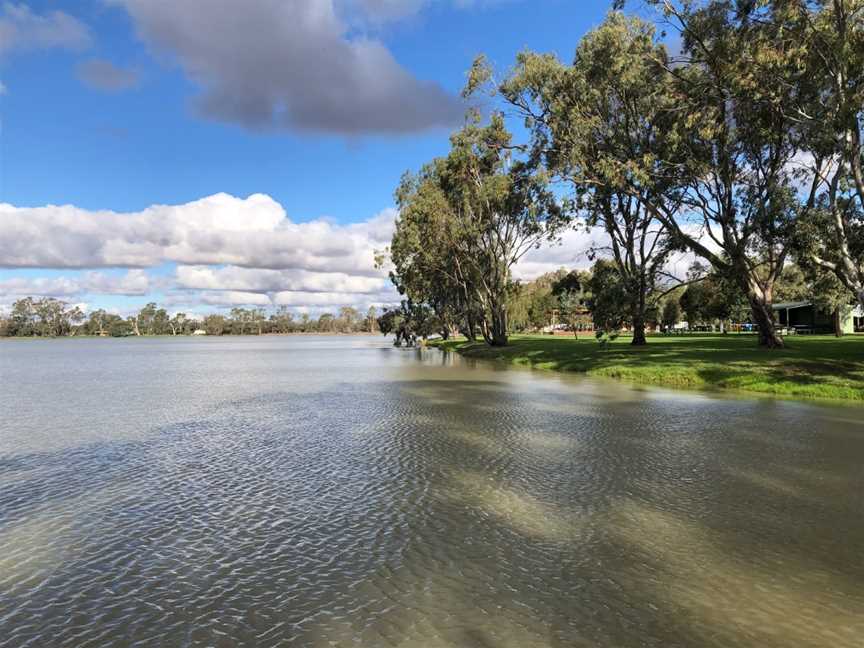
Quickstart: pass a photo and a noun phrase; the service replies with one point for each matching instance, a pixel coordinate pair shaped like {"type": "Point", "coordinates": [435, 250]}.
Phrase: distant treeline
{"type": "Point", "coordinates": [50, 317]}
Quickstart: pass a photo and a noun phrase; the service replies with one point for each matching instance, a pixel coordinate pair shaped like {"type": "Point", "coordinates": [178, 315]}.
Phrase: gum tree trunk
{"type": "Point", "coordinates": [498, 333]}
{"type": "Point", "coordinates": [763, 316]}
{"type": "Point", "coordinates": [638, 316]}
{"type": "Point", "coordinates": [639, 331]}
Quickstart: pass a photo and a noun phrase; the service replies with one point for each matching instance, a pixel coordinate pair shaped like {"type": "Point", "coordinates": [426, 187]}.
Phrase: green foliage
{"type": "Point", "coordinates": [609, 302]}
{"type": "Point", "coordinates": [830, 108]}
{"type": "Point", "coordinates": [45, 317]}
{"type": "Point", "coordinates": [671, 314]}
{"type": "Point", "coordinates": [408, 323]}
{"type": "Point", "coordinates": [465, 220]}
{"type": "Point", "coordinates": [660, 152]}
{"type": "Point", "coordinates": [215, 324]}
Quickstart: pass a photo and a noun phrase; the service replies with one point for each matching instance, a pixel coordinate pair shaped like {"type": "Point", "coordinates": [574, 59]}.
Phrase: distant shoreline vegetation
{"type": "Point", "coordinates": [52, 318]}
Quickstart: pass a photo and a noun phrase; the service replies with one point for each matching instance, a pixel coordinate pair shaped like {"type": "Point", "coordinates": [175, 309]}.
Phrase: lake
{"type": "Point", "coordinates": [335, 491]}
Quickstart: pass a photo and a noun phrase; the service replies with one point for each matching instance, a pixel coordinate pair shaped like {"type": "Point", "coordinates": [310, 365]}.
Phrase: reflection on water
{"type": "Point", "coordinates": [338, 492]}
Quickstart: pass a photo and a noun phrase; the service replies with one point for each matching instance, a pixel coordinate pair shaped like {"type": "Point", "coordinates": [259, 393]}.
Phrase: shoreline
{"type": "Point", "coordinates": [810, 369]}
{"type": "Point", "coordinates": [171, 337]}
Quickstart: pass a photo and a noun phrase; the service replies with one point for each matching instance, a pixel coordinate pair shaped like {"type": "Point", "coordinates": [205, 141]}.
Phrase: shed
{"type": "Point", "coordinates": [804, 315]}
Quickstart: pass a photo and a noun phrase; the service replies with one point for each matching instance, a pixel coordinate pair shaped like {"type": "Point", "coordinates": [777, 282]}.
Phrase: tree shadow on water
{"type": "Point", "coordinates": [424, 519]}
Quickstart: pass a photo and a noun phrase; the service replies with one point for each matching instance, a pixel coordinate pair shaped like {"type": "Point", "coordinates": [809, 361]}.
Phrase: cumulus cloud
{"type": "Point", "coordinates": [253, 232]}
{"type": "Point", "coordinates": [134, 283]}
{"type": "Point", "coordinates": [261, 280]}
{"type": "Point", "coordinates": [570, 251]}
{"type": "Point", "coordinates": [277, 64]}
{"type": "Point", "coordinates": [22, 29]}
{"type": "Point", "coordinates": [573, 250]}
{"type": "Point", "coordinates": [233, 298]}
{"type": "Point", "coordinates": [227, 251]}
{"type": "Point", "coordinates": [104, 75]}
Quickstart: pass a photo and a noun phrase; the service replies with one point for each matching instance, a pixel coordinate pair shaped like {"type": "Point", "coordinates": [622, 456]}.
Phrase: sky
{"type": "Point", "coordinates": [206, 154]}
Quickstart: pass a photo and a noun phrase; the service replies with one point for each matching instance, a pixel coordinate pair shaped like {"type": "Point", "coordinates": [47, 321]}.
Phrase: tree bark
{"type": "Point", "coordinates": [498, 334]}
{"type": "Point", "coordinates": [763, 317]}
{"type": "Point", "coordinates": [838, 324]}
{"type": "Point", "coordinates": [485, 331]}
{"type": "Point", "coordinates": [470, 331]}
{"type": "Point", "coordinates": [639, 330]}
{"type": "Point", "coordinates": [638, 317]}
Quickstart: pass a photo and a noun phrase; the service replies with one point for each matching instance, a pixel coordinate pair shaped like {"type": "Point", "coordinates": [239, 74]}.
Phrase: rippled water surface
{"type": "Point", "coordinates": [337, 492]}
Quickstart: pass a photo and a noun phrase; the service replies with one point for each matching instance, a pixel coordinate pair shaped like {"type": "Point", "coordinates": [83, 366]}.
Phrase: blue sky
{"type": "Point", "coordinates": [109, 105]}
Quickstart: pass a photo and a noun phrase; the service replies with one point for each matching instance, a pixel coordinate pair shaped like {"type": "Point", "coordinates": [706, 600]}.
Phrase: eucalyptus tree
{"type": "Point", "coordinates": [96, 324]}
{"type": "Point", "coordinates": [22, 318]}
{"type": "Point", "coordinates": [258, 318]}
{"type": "Point", "coordinates": [177, 323]}
{"type": "Point", "coordinates": [240, 319]}
{"type": "Point", "coordinates": [471, 217]}
{"type": "Point", "coordinates": [54, 317]}
{"type": "Point", "coordinates": [46, 316]}
{"type": "Point", "coordinates": [598, 125]}
{"type": "Point", "coordinates": [740, 72]}
{"type": "Point", "coordinates": [831, 33]}
{"type": "Point", "coordinates": [699, 143]}
{"type": "Point", "coordinates": [670, 313]}
{"type": "Point", "coordinates": [282, 319]}
{"type": "Point", "coordinates": [408, 322]}
{"type": "Point", "coordinates": [426, 266]}
{"type": "Point", "coordinates": [326, 323]}
{"type": "Point", "coordinates": [573, 297]}
{"type": "Point", "coordinates": [609, 302]}
{"type": "Point", "coordinates": [370, 324]}
{"type": "Point", "coordinates": [214, 324]}
{"type": "Point", "coordinates": [349, 319]}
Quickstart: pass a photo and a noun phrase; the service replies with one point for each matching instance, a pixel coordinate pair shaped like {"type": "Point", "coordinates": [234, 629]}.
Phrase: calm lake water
{"type": "Point", "coordinates": [338, 492]}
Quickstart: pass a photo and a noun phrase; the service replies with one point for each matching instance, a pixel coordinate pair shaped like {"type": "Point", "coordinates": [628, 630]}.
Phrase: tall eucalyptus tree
{"type": "Point", "coordinates": [831, 35]}
{"type": "Point", "coordinates": [469, 218]}
{"type": "Point", "coordinates": [700, 143]}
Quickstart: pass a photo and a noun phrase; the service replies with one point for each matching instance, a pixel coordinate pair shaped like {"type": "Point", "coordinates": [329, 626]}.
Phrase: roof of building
{"type": "Point", "coordinates": [792, 305]}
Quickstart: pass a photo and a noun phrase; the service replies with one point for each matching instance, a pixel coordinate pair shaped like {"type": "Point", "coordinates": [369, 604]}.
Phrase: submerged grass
{"type": "Point", "coordinates": [811, 367]}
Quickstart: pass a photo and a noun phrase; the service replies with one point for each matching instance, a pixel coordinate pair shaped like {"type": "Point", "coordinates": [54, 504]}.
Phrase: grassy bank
{"type": "Point", "coordinates": [817, 367]}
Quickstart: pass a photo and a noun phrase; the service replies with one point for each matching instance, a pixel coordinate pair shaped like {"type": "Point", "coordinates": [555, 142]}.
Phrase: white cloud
{"type": "Point", "coordinates": [333, 299]}
{"type": "Point", "coordinates": [22, 29]}
{"type": "Point", "coordinates": [289, 64]}
{"type": "Point", "coordinates": [234, 298]}
{"type": "Point", "coordinates": [253, 232]}
{"type": "Point", "coordinates": [134, 282]}
{"type": "Point", "coordinates": [570, 252]}
{"type": "Point", "coordinates": [262, 280]}
{"type": "Point", "coordinates": [228, 251]}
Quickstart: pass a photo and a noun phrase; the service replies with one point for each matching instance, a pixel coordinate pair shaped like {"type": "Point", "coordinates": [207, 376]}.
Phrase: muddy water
{"type": "Point", "coordinates": [338, 492]}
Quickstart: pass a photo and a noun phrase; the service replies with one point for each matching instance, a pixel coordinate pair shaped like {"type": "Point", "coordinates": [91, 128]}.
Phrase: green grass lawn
{"type": "Point", "coordinates": [820, 367]}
